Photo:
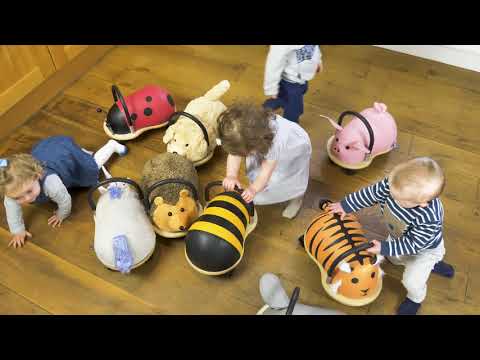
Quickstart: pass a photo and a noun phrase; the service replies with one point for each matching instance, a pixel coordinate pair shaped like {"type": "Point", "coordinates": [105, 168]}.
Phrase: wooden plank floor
{"type": "Point", "coordinates": [436, 107]}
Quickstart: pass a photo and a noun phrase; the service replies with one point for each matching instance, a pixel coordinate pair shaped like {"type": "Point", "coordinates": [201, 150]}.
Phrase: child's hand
{"type": "Point", "coordinates": [19, 239]}
{"type": "Point", "coordinates": [230, 182]}
{"type": "Point", "coordinates": [375, 249]}
{"type": "Point", "coordinates": [336, 208]}
{"type": "Point", "coordinates": [54, 221]}
{"type": "Point", "coordinates": [249, 194]}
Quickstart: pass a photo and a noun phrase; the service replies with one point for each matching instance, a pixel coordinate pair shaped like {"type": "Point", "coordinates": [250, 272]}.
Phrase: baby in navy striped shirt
{"type": "Point", "coordinates": [411, 208]}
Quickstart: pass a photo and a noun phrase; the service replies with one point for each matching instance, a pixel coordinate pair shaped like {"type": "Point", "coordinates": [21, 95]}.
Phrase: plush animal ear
{"type": "Point", "coordinates": [334, 124]}
{"type": "Point", "coordinates": [380, 107]}
{"type": "Point", "coordinates": [169, 134]}
{"type": "Point", "coordinates": [357, 145]}
{"type": "Point", "coordinates": [184, 193]}
{"type": "Point", "coordinates": [158, 200]}
{"type": "Point", "coordinates": [345, 267]}
{"type": "Point", "coordinates": [335, 286]}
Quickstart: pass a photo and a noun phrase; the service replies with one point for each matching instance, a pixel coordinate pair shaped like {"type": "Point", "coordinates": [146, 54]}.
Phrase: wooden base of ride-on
{"type": "Point", "coordinates": [125, 137]}
{"type": "Point", "coordinates": [358, 166]}
{"type": "Point", "coordinates": [204, 160]}
{"type": "Point", "coordinates": [248, 230]}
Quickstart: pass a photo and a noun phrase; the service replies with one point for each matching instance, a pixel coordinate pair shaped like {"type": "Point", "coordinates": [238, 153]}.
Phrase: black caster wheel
{"type": "Point", "coordinates": [229, 274]}
{"type": "Point", "coordinates": [322, 203]}
{"type": "Point", "coordinates": [349, 172]}
{"type": "Point", "coordinates": [301, 241]}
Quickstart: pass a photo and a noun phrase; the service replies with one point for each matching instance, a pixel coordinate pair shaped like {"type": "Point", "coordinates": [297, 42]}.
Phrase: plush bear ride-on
{"type": "Point", "coordinates": [193, 132]}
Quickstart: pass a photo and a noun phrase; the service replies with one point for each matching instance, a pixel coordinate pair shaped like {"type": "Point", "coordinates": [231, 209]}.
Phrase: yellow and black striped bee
{"type": "Point", "coordinates": [215, 242]}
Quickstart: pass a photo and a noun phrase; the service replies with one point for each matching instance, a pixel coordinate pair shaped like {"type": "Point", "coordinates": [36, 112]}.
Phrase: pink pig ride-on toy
{"type": "Point", "coordinates": [146, 109]}
{"type": "Point", "coordinates": [371, 132]}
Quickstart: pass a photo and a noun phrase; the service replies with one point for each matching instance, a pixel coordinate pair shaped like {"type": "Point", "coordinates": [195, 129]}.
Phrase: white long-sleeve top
{"type": "Point", "coordinates": [54, 189]}
{"type": "Point", "coordinates": [294, 63]}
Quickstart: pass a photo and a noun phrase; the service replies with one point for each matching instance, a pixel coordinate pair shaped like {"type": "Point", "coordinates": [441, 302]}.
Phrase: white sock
{"type": "Point", "coordinates": [293, 207]}
{"type": "Point", "coordinates": [107, 150]}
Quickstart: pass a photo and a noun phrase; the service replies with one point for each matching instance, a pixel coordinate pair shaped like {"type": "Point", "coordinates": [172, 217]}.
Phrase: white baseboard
{"type": "Point", "coordinates": [463, 56]}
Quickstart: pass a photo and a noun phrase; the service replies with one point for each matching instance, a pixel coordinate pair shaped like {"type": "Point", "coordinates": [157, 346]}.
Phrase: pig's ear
{"type": "Point", "coordinates": [380, 107]}
{"type": "Point", "coordinates": [357, 145]}
{"type": "Point", "coordinates": [334, 124]}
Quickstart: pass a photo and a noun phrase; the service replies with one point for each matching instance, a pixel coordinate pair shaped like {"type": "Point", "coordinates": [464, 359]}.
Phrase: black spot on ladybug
{"type": "Point", "coordinates": [170, 100]}
{"type": "Point", "coordinates": [148, 111]}
{"type": "Point", "coordinates": [134, 116]}
{"type": "Point", "coordinates": [148, 98]}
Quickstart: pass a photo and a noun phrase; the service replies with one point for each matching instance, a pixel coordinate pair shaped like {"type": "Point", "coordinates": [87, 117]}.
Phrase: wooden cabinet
{"type": "Point", "coordinates": [24, 67]}
{"type": "Point", "coordinates": [62, 54]}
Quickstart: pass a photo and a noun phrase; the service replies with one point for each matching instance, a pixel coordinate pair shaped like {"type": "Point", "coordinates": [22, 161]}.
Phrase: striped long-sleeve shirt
{"type": "Point", "coordinates": [423, 225]}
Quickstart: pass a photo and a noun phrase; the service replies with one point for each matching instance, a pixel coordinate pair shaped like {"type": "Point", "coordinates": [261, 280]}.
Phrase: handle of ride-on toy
{"type": "Point", "coordinates": [217, 183]}
{"type": "Point", "coordinates": [293, 301]}
{"type": "Point", "coordinates": [174, 117]}
{"type": "Point", "coordinates": [118, 95]}
{"type": "Point", "coordinates": [250, 206]}
{"type": "Point", "coordinates": [364, 121]}
{"type": "Point", "coordinates": [146, 199]}
{"type": "Point", "coordinates": [108, 181]}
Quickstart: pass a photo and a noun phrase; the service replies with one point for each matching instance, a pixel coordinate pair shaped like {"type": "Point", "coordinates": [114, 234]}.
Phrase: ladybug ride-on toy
{"type": "Point", "coordinates": [146, 109]}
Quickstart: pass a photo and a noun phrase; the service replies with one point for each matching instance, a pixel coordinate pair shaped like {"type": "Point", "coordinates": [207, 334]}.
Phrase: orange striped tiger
{"type": "Point", "coordinates": [350, 274]}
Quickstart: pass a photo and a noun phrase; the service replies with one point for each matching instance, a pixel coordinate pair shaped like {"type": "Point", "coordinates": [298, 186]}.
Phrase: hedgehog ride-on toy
{"type": "Point", "coordinates": [215, 242]}
{"type": "Point", "coordinates": [124, 236]}
{"type": "Point", "coordinates": [350, 274]}
{"type": "Point", "coordinates": [146, 109]}
{"type": "Point", "coordinates": [173, 221]}
{"type": "Point", "coordinates": [371, 132]}
{"type": "Point", "coordinates": [277, 301]}
{"type": "Point", "coordinates": [171, 186]}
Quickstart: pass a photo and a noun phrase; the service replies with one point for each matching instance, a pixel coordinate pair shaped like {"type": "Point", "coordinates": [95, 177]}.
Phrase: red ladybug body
{"type": "Point", "coordinates": [148, 108]}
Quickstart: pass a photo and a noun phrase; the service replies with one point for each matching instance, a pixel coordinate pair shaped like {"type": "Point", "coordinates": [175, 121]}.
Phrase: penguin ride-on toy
{"type": "Point", "coordinates": [215, 242]}
{"type": "Point", "coordinates": [277, 301]}
{"type": "Point", "coordinates": [124, 236]}
{"type": "Point", "coordinates": [146, 109]}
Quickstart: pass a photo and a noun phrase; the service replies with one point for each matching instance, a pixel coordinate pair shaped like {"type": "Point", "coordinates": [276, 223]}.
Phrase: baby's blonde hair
{"type": "Point", "coordinates": [20, 170]}
{"type": "Point", "coordinates": [420, 179]}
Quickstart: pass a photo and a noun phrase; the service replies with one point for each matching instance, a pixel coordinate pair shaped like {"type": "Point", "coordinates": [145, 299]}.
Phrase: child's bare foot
{"type": "Point", "coordinates": [293, 207]}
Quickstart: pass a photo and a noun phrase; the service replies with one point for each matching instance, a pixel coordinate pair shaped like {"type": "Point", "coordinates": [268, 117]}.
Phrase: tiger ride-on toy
{"type": "Point", "coordinates": [124, 237]}
{"type": "Point", "coordinates": [215, 242]}
{"type": "Point", "coordinates": [173, 221]}
{"type": "Point", "coordinates": [350, 274]}
{"type": "Point", "coordinates": [370, 133]}
{"type": "Point", "coordinates": [277, 301]}
{"type": "Point", "coordinates": [146, 109]}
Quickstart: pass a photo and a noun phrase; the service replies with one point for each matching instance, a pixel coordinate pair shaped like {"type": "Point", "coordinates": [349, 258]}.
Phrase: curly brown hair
{"type": "Point", "coordinates": [244, 129]}
{"type": "Point", "coordinates": [20, 169]}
